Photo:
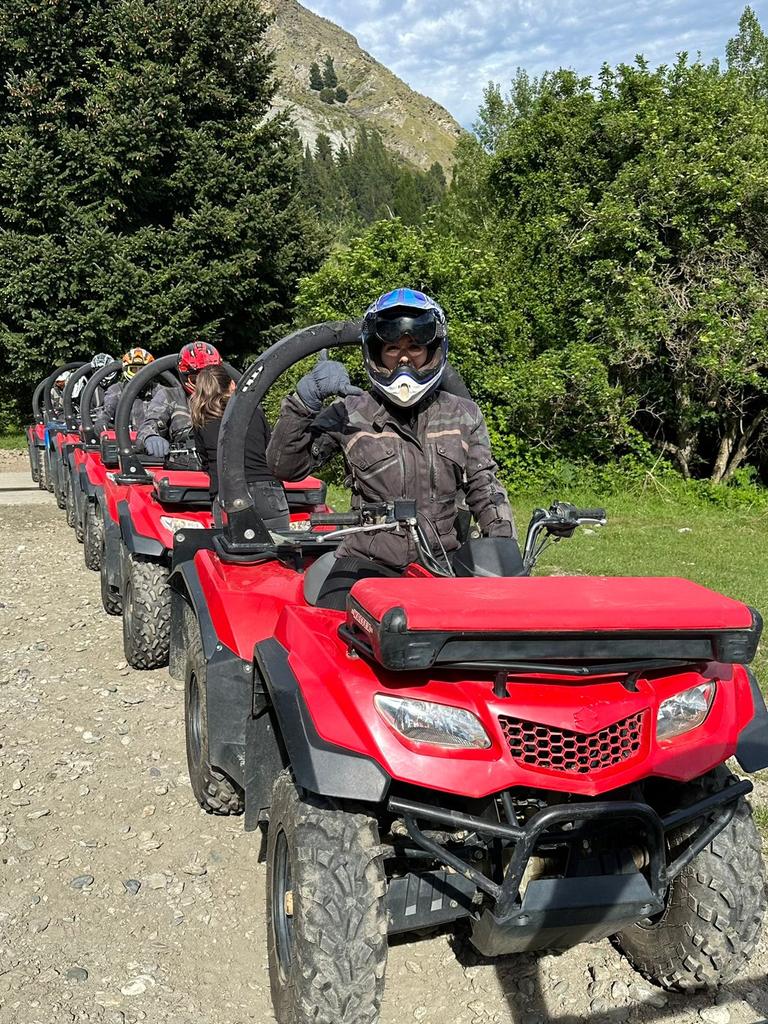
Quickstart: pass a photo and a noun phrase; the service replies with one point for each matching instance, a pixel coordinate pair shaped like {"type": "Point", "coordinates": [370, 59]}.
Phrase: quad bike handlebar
{"type": "Point", "coordinates": [555, 523]}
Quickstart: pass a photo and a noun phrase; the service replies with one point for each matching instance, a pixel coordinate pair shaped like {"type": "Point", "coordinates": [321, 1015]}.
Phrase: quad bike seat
{"type": "Point", "coordinates": [305, 494]}
{"type": "Point", "coordinates": [183, 487]}
{"type": "Point", "coordinates": [407, 623]}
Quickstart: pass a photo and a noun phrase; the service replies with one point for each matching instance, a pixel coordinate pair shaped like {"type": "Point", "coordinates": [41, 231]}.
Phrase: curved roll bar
{"type": "Point", "coordinates": [87, 428]}
{"type": "Point", "coordinates": [131, 466]}
{"type": "Point", "coordinates": [245, 530]}
{"type": "Point", "coordinates": [49, 382]}
{"type": "Point", "coordinates": [37, 412]}
{"type": "Point", "coordinates": [67, 398]}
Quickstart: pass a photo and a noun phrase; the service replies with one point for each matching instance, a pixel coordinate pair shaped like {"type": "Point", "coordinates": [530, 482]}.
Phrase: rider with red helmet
{"type": "Point", "coordinates": [167, 416]}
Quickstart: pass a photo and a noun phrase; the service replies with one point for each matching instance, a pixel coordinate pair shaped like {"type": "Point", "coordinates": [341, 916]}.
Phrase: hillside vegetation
{"type": "Point", "coordinates": [415, 127]}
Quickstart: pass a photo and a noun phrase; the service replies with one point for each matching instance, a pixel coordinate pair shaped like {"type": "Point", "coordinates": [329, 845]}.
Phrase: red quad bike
{"type": "Point", "coordinates": [71, 445]}
{"type": "Point", "coordinates": [92, 460]}
{"type": "Point", "coordinates": [146, 506]}
{"type": "Point", "coordinates": [35, 434]}
{"type": "Point", "coordinates": [57, 434]}
{"type": "Point", "coordinates": [42, 405]}
{"type": "Point", "coordinates": [87, 467]}
{"type": "Point", "coordinates": [544, 757]}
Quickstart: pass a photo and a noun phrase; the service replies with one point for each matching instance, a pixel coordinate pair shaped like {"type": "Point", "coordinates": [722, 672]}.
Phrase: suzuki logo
{"type": "Point", "coordinates": [586, 720]}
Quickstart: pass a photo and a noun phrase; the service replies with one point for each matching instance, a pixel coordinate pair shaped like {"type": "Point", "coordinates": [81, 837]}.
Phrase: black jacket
{"type": "Point", "coordinates": [256, 441]}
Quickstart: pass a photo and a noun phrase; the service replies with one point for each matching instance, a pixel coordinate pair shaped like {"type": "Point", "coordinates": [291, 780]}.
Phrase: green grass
{"type": "Point", "coordinates": [8, 441]}
{"type": "Point", "coordinates": [760, 813]}
{"type": "Point", "coordinates": [648, 535]}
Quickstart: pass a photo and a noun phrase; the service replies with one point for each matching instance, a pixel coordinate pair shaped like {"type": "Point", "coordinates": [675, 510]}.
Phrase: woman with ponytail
{"type": "Point", "coordinates": [214, 387]}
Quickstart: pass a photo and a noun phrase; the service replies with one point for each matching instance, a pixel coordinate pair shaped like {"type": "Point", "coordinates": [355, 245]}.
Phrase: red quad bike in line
{"type": "Point", "coordinates": [71, 444]}
{"type": "Point", "coordinates": [543, 757]}
{"type": "Point", "coordinates": [92, 459]}
{"type": "Point", "coordinates": [145, 505]}
{"type": "Point", "coordinates": [35, 434]}
{"type": "Point", "coordinates": [59, 434]}
{"type": "Point", "coordinates": [42, 407]}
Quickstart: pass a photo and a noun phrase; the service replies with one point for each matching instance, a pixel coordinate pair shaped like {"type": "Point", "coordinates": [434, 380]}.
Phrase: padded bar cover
{"type": "Point", "coordinates": [245, 527]}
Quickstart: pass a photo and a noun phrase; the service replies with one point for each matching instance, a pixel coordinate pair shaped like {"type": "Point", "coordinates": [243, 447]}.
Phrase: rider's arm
{"type": "Point", "coordinates": [486, 497]}
{"type": "Point", "coordinates": [156, 418]}
{"type": "Point", "coordinates": [104, 418]}
{"type": "Point", "coordinates": [302, 440]}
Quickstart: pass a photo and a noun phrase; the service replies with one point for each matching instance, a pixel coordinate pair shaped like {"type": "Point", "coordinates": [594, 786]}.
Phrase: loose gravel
{"type": "Point", "coordinates": [120, 901]}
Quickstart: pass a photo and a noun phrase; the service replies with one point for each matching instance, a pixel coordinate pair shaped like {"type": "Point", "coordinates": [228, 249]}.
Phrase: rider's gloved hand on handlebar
{"type": "Point", "coordinates": [326, 380]}
{"type": "Point", "coordinates": [157, 446]}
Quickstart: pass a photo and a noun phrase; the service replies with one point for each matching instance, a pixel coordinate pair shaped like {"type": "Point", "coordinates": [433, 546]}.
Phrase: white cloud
{"type": "Point", "coordinates": [451, 50]}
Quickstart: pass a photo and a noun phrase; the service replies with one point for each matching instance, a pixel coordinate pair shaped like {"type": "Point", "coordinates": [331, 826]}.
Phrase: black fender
{"type": "Point", "coordinates": [113, 558]}
{"type": "Point", "coordinates": [318, 766]}
{"type": "Point", "coordinates": [229, 679]}
{"type": "Point", "coordinates": [752, 747]}
{"type": "Point", "coordinates": [135, 542]}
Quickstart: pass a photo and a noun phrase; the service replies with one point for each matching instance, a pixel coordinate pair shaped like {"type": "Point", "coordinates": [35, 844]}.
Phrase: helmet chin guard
{"type": "Point", "coordinates": [403, 388]}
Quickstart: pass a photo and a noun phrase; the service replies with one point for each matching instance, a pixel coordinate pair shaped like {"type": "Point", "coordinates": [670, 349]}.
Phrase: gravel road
{"type": "Point", "coordinates": [120, 901]}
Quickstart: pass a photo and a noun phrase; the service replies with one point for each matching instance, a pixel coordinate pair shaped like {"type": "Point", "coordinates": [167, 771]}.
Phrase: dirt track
{"type": "Point", "coordinates": [121, 901]}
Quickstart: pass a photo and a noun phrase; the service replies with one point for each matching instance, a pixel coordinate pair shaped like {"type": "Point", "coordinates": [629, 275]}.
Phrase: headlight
{"type": "Point", "coordinates": [426, 722]}
{"type": "Point", "coordinates": [174, 523]}
{"type": "Point", "coordinates": [684, 711]}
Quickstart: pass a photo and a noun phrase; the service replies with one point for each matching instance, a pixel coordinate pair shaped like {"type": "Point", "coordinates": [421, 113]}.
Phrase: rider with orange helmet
{"type": "Point", "coordinates": [133, 360]}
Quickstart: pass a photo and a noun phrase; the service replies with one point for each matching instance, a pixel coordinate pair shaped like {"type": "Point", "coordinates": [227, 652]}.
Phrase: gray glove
{"type": "Point", "coordinates": [327, 379]}
{"type": "Point", "coordinates": [156, 446]}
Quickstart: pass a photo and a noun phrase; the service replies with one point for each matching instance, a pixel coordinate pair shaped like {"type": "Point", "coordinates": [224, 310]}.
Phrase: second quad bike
{"type": "Point", "coordinates": [541, 757]}
{"type": "Point", "coordinates": [145, 506]}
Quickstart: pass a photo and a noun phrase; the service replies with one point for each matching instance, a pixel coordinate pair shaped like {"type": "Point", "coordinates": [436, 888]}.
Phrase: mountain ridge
{"type": "Point", "coordinates": [415, 127]}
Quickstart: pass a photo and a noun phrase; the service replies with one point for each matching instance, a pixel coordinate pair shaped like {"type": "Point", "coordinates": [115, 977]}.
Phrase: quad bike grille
{"type": "Point", "coordinates": [543, 746]}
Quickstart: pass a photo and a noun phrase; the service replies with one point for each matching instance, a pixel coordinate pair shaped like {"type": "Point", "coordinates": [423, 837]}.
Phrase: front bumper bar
{"type": "Point", "coordinates": [556, 912]}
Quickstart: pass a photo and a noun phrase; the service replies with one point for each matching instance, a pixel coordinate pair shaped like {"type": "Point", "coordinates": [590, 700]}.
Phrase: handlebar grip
{"type": "Point", "coordinates": [334, 519]}
{"type": "Point", "coordinates": [588, 513]}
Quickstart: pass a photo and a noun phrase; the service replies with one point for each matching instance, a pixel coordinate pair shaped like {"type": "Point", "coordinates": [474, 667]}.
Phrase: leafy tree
{"type": "Point", "coordinates": [315, 77]}
{"type": "Point", "coordinates": [747, 53]}
{"type": "Point", "coordinates": [145, 194]}
{"type": "Point", "coordinates": [632, 219]}
{"type": "Point", "coordinates": [341, 95]}
{"type": "Point", "coordinates": [330, 79]}
{"type": "Point", "coordinates": [328, 95]}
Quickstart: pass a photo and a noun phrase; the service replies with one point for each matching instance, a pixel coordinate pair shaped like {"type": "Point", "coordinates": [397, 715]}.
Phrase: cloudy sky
{"type": "Point", "coordinates": [450, 49]}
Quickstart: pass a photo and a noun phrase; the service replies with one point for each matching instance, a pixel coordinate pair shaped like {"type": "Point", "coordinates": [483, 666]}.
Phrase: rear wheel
{"type": "Point", "coordinates": [146, 612]}
{"type": "Point", "coordinates": [215, 792]}
{"type": "Point", "coordinates": [714, 912]}
{"type": "Point", "coordinates": [326, 914]}
{"type": "Point", "coordinates": [92, 535]}
{"type": "Point", "coordinates": [110, 599]}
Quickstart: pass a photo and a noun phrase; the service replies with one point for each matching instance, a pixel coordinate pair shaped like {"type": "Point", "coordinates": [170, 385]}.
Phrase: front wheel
{"type": "Point", "coordinates": [111, 600]}
{"type": "Point", "coordinates": [44, 476]}
{"type": "Point", "coordinates": [93, 531]}
{"type": "Point", "coordinates": [326, 915]}
{"type": "Point", "coordinates": [146, 612]}
{"type": "Point", "coordinates": [214, 791]}
{"type": "Point", "coordinates": [69, 499]}
{"type": "Point", "coordinates": [713, 915]}
{"type": "Point", "coordinates": [34, 461]}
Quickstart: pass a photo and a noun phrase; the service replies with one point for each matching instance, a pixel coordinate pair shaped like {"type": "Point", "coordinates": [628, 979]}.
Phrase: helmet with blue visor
{"type": "Point", "coordinates": [405, 313]}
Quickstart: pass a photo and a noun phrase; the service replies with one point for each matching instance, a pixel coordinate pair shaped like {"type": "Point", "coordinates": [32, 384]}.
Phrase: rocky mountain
{"type": "Point", "coordinates": [414, 126]}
